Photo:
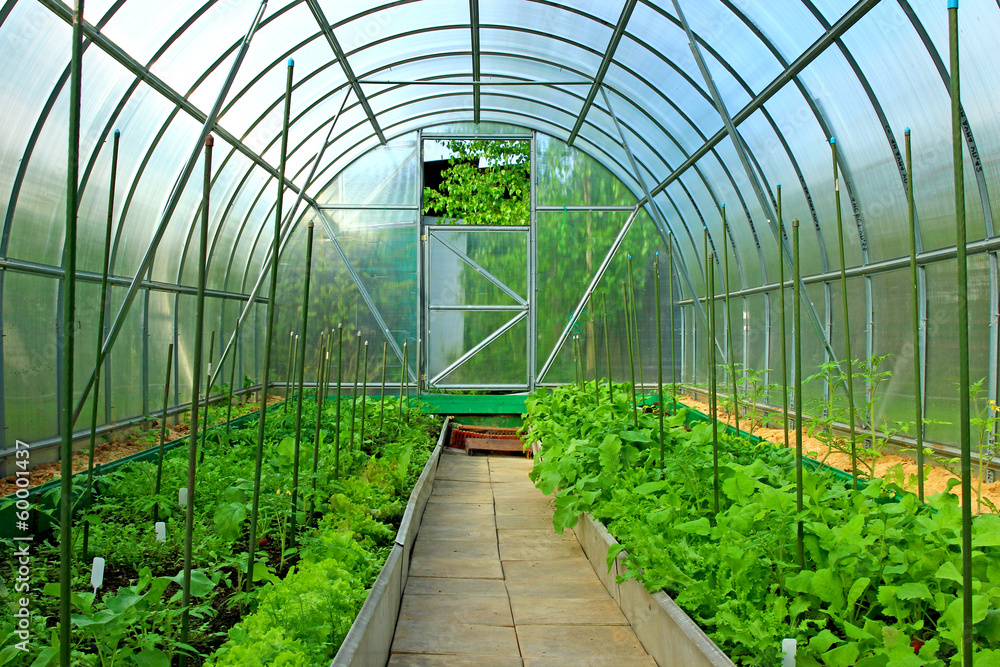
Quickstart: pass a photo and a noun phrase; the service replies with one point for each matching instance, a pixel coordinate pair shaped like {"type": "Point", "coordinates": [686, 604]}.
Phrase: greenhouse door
{"type": "Point", "coordinates": [476, 306]}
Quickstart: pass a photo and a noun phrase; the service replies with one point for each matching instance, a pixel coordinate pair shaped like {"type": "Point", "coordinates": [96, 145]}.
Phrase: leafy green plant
{"type": "Point", "coordinates": [757, 391]}
{"type": "Point", "coordinates": [984, 419]}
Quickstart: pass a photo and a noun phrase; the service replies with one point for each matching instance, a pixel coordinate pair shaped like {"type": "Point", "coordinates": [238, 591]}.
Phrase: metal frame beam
{"type": "Point", "coordinates": [609, 56]}
{"type": "Point", "coordinates": [474, 29]}
{"type": "Point", "coordinates": [338, 52]}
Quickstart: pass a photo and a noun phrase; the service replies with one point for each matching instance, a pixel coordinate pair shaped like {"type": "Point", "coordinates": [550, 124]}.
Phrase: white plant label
{"type": "Point", "coordinates": [161, 531]}
{"type": "Point", "coordinates": [182, 496]}
{"type": "Point", "coordinates": [788, 649]}
{"type": "Point", "coordinates": [97, 573]}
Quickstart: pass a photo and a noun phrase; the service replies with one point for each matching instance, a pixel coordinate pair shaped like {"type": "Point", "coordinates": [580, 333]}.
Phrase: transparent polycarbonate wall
{"type": "Point", "coordinates": [618, 81]}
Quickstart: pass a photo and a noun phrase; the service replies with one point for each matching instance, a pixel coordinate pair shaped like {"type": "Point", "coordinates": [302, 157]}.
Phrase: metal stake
{"type": "Point", "coordinates": [781, 295]}
{"type": "Point", "coordinates": [607, 348]}
{"type": "Point", "coordinates": [208, 390]}
{"type": "Point", "coordinates": [659, 350]}
{"type": "Point", "coordinates": [635, 321]}
{"type": "Point", "coordinates": [232, 387]}
{"type": "Point", "coordinates": [199, 330]}
{"type": "Point", "coordinates": [340, 381]}
{"type": "Point", "coordinates": [631, 364]}
{"type": "Point", "coordinates": [163, 431]}
{"type": "Point", "coordinates": [797, 343]}
{"type": "Point", "coordinates": [712, 374]}
{"type": "Point", "coordinates": [269, 334]}
{"type": "Point", "coordinates": [402, 383]}
{"type": "Point", "coordinates": [364, 396]}
{"type": "Point", "coordinates": [289, 368]}
{"type": "Point", "coordinates": [729, 324]}
{"type": "Point", "coordinates": [673, 356]}
{"type": "Point", "coordinates": [301, 382]}
{"type": "Point", "coordinates": [381, 400]}
{"type": "Point", "coordinates": [354, 391]}
{"type": "Point", "coordinates": [918, 405]}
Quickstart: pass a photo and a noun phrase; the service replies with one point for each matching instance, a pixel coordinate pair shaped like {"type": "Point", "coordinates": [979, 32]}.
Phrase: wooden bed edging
{"type": "Point", "coordinates": [668, 634]}
{"type": "Point", "coordinates": [368, 642]}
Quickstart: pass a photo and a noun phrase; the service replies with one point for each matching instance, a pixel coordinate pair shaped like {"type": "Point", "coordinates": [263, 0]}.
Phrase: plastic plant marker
{"type": "Point", "coordinates": [97, 573]}
{"type": "Point", "coordinates": [788, 649]}
{"type": "Point", "coordinates": [269, 333]}
{"type": "Point", "coordinates": [161, 531]}
{"type": "Point", "coordinates": [293, 523]}
{"type": "Point", "coordinates": [182, 496]}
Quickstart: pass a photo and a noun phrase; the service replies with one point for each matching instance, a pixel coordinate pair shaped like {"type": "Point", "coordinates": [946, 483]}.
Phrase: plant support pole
{"type": "Point", "coordinates": [301, 382]}
{"type": "Point", "coordinates": [673, 356]}
{"type": "Point", "coordinates": [607, 348]}
{"type": "Point", "coordinates": [69, 330]}
{"type": "Point", "coordinates": [781, 295]}
{"type": "Point", "coordinates": [364, 395]}
{"type": "Point", "coordinates": [289, 369]}
{"type": "Point", "coordinates": [381, 400]}
{"type": "Point", "coordinates": [631, 361]}
{"type": "Point", "coordinates": [659, 350]}
{"type": "Point", "coordinates": [100, 336]}
{"type": "Point", "coordinates": [269, 333]}
{"type": "Point", "coordinates": [232, 387]}
{"type": "Point", "coordinates": [354, 391]}
{"type": "Point", "coordinates": [319, 423]}
{"type": "Point", "coordinates": [208, 390]}
{"type": "Point", "coordinates": [163, 431]}
{"type": "Point", "coordinates": [847, 324]}
{"type": "Point", "coordinates": [199, 330]}
{"type": "Point", "coordinates": [729, 324]}
{"type": "Point", "coordinates": [713, 378]}
{"type": "Point", "coordinates": [797, 343]}
{"type": "Point", "coordinates": [402, 383]}
{"type": "Point", "coordinates": [635, 321]}
{"type": "Point", "coordinates": [340, 382]}
{"type": "Point", "coordinates": [918, 406]}
{"type": "Point", "coordinates": [963, 335]}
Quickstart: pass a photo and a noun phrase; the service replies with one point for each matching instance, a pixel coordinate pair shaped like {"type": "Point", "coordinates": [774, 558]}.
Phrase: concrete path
{"type": "Point", "coordinates": [492, 584]}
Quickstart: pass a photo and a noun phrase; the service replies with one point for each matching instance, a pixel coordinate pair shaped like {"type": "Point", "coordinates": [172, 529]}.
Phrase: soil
{"type": "Point", "coordinates": [936, 476]}
{"type": "Point", "coordinates": [111, 451]}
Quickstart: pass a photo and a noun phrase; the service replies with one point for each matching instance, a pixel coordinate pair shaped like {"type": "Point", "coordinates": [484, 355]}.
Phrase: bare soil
{"type": "Point", "coordinates": [112, 451]}
{"type": "Point", "coordinates": [936, 475]}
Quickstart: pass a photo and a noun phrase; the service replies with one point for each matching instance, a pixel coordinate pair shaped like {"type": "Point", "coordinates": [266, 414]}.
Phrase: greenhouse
{"type": "Point", "coordinates": [499, 332]}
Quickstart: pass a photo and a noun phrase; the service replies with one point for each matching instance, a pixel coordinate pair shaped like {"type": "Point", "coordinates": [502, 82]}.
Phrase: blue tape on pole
{"type": "Point", "coordinates": [291, 62]}
{"type": "Point", "coordinates": [833, 140]}
{"type": "Point", "coordinates": [952, 4]}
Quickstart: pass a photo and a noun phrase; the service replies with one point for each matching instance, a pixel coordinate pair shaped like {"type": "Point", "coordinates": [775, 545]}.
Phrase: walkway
{"type": "Point", "coordinates": [491, 583]}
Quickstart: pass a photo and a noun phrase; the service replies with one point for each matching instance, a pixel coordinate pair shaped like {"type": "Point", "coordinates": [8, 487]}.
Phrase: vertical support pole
{"type": "Point", "coordinates": [631, 361]}
{"type": "Point", "coordinates": [100, 335]}
{"type": "Point", "coordinates": [918, 405]}
{"type": "Point", "coordinates": [232, 381]}
{"type": "Point", "coordinates": [797, 318]}
{"type": "Point", "coordinates": [597, 357]}
{"type": "Point", "coordinates": [713, 374]}
{"type": "Point", "coordinates": [781, 295]}
{"type": "Point", "coordinates": [163, 433]}
{"type": "Point", "coordinates": [340, 381]}
{"type": "Point", "coordinates": [364, 395]}
{"type": "Point", "coordinates": [729, 324]}
{"type": "Point", "coordinates": [301, 383]}
{"type": "Point", "coordinates": [269, 333]}
{"type": "Point", "coordinates": [673, 333]}
{"type": "Point", "coordinates": [576, 361]}
{"type": "Point", "coordinates": [199, 329]}
{"type": "Point", "coordinates": [354, 390]}
{"type": "Point", "coordinates": [69, 330]}
{"type": "Point", "coordinates": [291, 360]}
{"type": "Point", "coordinates": [963, 335]}
{"type": "Point", "coordinates": [635, 322]}
{"type": "Point", "coordinates": [659, 349]}
{"type": "Point", "coordinates": [607, 348]}
{"type": "Point", "coordinates": [208, 390]}
{"type": "Point", "coordinates": [847, 323]}
{"type": "Point", "coordinates": [318, 425]}
{"type": "Point", "coordinates": [419, 343]}
{"type": "Point", "coordinates": [532, 283]}
{"type": "Point", "coordinates": [381, 393]}
{"type": "Point", "coordinates": [402, 383]}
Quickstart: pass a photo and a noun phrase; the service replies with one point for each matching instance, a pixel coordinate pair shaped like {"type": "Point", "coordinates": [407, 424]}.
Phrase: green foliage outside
{"type": "Point", "coordinates": [498, 194]}
{"type": "Point", "coordinates": [881, 585]}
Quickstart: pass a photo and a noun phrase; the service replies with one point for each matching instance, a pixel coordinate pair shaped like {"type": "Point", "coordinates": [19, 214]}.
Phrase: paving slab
{"type": "Point", "coordinates": [536, 521]}
{"type": "Point", "coordinates": [455, 548]}
{"type": "Point", "coordinates": [592, 661]}
{"type": "Point", "coordinates": [477, 532]}
{"type": "Point", "coordinates": [539, 551]}
{"type": "Point", "coordinates": [462, 568]}
{"type": "Point", "coordinates": [543, 589]}
{"type": "Point", "coordinates": [443, 637]}
{"type": "Point", "coordinates": [474, 609]}
{"type": "Point", "coordinates": [573, 642]}
{"type": "Point", "coordinates": [455, 587]}
{"type": "Point", "coordinates": [532, 610]}
{"type": "Point", "coordinates": [526, 570]}
{"type": "Point", "coordinates": [448, 505]}
{"type": "Point", "coordinates": [534, 535]}
{"type": "Point", "coordinates": [436, 521]}
{"type": "Point", "coordinates": [429, 660]}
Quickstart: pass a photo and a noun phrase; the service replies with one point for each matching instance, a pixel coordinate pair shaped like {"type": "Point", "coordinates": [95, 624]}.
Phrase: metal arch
{"type": "Point", "coordinates": [338, 51]}
{"type": "Point", "coordinates": [609, 55]}
{"type": "Point", "coordinates": [474, 30]}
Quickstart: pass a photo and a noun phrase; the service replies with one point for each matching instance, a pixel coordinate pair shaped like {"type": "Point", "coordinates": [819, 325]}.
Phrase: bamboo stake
{"type": "Point", "coordinates": [301, 392]}
{"type": "Point", "coordinates": [199, 329]}
{"type": "Point", "coordinates": [163, 432]}
{"type": "Point", "coordinates": [269, 334]}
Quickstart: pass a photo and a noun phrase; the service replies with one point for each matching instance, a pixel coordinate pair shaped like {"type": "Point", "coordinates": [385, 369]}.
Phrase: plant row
{"type": "Point", "coordinates": [307, 587]}
{"type": "Point", "coordinates": [881, 585]}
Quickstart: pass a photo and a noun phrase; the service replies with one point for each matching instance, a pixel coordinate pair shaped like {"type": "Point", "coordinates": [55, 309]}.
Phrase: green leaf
{"type": "Point", "coordinates": [913, 590]}
{"type": "Point", "coordinates": [948, 571]}
{"type": "Point", "coordinates": [151, 657]}
{"type": "Point", "coordinates": [48, 656]}
{"type": "Point", "coordinates": [823, 641]}
{"type": "Point", "coordinates": [857, 590]}
{"type": "Point", "coordinates": [613, 552]}
{"type": "Point", "coordinates": [634, 436]}
{"type": "Point", "coordinates": [842, 656]}
{"type": "Point", "coordinates": [200, 584]}
{"type": "Point", "coordinates": [697, 527]}
{"type": "Point", "coordinates": [651, 487]}
{"type": "Point", "coordinates": [609, 452]}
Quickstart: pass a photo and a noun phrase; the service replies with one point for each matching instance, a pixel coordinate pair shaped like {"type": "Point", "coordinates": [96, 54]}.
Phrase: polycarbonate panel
{"type": "Point", "coordinates": [786, 24]}
{"type": "Point", "coordinates": [544, 19]}
{"type": "Point", "coordinates": [387, 175]}
{"type": "Point", "coordinates": [30, 356]}
{"type": "Point", "coordinates": [455, 282]}
{"type": "Point", "coordinates": [451, 334]}
{"type": "Point", "coordinates": [568, 177]}
{"type": "Point", "coordinates": [562, 52]}
{"type": "Point", "coordinates": [160, 336]}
